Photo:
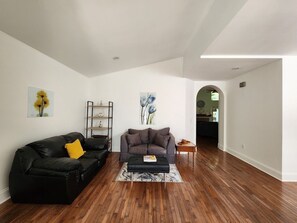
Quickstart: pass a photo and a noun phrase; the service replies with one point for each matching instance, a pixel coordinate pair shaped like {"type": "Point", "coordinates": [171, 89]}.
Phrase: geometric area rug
{"type": "Point", "coordinates": [172, 176]}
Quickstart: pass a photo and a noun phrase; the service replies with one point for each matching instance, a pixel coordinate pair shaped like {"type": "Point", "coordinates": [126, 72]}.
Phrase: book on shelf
{"type": "Point", "coordinates": [149, 158]}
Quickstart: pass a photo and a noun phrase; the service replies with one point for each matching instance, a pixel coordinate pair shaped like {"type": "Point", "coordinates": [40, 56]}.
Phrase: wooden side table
{"type": "Point", "coordinates": [189, 148]}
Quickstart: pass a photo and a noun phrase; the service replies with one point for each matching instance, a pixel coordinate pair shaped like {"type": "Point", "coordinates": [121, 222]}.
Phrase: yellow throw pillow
{"type": "Point", "coordinates": [74, 149]}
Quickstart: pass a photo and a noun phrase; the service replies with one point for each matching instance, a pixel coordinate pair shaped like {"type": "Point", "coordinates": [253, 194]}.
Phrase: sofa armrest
{"type": "Point", "coordinates": [171, 145]}
{"type": "Point", "coordinates": [62, 164]}
{"type": "Point", "coordinates": [124, 143]}
{"type": "Point", "coordinates": [96, 144]}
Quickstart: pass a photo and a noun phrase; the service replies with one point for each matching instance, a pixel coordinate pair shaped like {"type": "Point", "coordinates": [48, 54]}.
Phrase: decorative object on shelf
{"type": "Point", "coordinates": [104, 126]}
{"type": "Point", "coordinates": [40, 102]}
{"type": "Point", "coordinates": [148, 108]}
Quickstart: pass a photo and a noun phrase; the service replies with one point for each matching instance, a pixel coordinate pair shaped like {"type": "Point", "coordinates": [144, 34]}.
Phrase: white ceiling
{"type": "Point", "coordinates": [86, 35]}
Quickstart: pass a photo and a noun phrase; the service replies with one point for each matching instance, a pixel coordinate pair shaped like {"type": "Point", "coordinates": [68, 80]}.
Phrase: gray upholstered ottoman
{"type": "Point", "coordinates": [136, 164]}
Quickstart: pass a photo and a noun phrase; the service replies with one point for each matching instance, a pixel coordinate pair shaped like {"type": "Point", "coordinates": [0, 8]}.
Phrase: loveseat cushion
{"type": "Point", "coordinates": [161, 140]}
{"type": "Point", "coordinates": [133, 139]}
{"type": "Point", "coordinates": [140, 149]}
{"type": "Point", "coordinates": [144, 134]}
{"type": "Point", "coordinates": [155, 150]}
{"type": "Point", "coordinates": [50, 147]}
{"type": "Point", "coordinates": [153, 132]}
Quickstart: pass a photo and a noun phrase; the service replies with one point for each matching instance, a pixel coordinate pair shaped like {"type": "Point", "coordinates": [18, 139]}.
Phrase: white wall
{"type": "Point", "coordinates": [254, 118]}
{"type": "Point", "coordinates": [289, 115]}
{"type": "Point", "coordinates": [22, 67]}
{"type": "Point", "coordinates": [124, 87]}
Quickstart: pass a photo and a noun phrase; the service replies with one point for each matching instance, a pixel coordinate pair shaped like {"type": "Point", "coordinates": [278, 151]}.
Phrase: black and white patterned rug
{"type": "Point", "coordinates": [172, 176]}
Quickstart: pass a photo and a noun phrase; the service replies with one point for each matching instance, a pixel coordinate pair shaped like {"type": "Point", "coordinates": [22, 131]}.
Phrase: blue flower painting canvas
{"type": "Point", "coordinates": [147, 108]}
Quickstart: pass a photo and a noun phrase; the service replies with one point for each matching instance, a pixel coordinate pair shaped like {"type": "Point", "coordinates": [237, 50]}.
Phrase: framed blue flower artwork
{"type": "Point", "coordinates": [147, 108]}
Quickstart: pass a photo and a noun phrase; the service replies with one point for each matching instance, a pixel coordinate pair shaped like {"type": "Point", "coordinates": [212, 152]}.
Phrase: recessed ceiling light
{"type": "Point", "coordinates": [235, 68]}
{"type": "Point", "coordinates": [115, 58]}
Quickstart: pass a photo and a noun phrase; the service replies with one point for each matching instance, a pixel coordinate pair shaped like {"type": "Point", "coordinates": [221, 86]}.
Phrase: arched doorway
{"type": "Point", "coordinates": [210, 115]}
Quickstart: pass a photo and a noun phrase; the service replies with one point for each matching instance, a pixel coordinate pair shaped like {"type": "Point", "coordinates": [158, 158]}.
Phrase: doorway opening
{"type": "Point", "coordinates": [209, 113]}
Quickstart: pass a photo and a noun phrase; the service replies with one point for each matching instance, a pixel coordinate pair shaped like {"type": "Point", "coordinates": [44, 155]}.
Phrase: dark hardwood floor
{"type": "Point", "coordinates": [220, 188]}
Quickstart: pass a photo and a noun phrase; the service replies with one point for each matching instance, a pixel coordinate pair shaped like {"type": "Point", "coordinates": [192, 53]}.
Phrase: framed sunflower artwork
{"type": "Point", "coordinates": [40, 102]}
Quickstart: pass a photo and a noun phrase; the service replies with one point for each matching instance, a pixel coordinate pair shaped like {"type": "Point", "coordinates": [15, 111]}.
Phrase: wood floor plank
{"type": "Point", "coordinates": [218, 188]}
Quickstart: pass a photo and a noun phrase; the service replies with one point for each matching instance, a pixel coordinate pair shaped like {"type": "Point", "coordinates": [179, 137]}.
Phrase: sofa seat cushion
{"type": "Point", "coordinates": [62, 164]}
{"type": "Point", "coordinates": [155, 150]}
{"type": "Point", "coordinates": [99, 155]}
{"type": "Point", "coordinates": [50, 147]}
{"type": "Point", "coordinates": [153, 132]}
{"type": "Point", "coordinates": [88, 164]}
{"type": "Point", "coordinates": [140, 149]}
{"type": "Point", "coordinates": [144, 134]}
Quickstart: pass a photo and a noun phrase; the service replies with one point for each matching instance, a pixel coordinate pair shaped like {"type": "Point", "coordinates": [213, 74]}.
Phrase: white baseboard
{"type": "Point", "coordinates": [289, 177]}
{"type": "Point", "coordinates": [221, 147]}
{"type": "Point", "coordinates": [266, 169]}
{"type": "Point", "coordinates": [4, 195]}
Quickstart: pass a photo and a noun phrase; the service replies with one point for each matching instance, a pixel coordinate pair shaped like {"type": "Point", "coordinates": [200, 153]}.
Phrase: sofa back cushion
{"type": "Point", "coordinates": [133, 139]}
{"type": "Point", "coordinates": [144, 134]}
{"type": "Point", "coordinates": [161, 140]}
{"type": "Point", "coordinates": [50, 147]}
{"type": "Point", "coordinates": [153, 132]}
{"type": "Point", "coordinates": [71, 137]}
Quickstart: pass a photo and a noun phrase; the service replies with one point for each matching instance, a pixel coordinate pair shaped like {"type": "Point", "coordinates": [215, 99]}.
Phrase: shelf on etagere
{"type": "Point", "coordinates": [99, 128]}
{"type": "Point", "coordinates": [98, 106]}
{"type": "Point", "coordinates": [100, 117]}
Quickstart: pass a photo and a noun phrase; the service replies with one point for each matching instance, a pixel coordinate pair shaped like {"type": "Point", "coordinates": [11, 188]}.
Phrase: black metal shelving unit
{"type": "Point", "coordinates": [100, 121]}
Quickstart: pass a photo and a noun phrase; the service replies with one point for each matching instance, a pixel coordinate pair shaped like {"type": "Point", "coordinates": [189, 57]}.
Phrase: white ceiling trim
{"type": "Point", "coordinates": [241, 56]}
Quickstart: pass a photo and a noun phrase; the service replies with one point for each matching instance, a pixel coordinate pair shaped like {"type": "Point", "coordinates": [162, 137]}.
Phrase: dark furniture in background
{"type": "Point", "coordinates": [136, 164]}
{"type": "Point", "coordinates": [42, 171]}
{"type": "Point", "coordinates": [148, 142]}
{"type": "Point", "coordinates": [209, 129]}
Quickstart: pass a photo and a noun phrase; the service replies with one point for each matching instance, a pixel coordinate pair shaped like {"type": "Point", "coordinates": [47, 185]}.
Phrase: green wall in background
{"type": "Point", "coordinates": [205, 95]}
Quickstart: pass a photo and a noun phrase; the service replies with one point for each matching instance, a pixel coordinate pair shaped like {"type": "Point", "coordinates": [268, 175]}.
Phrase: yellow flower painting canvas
{"type": "Point", "coordinates": [40, 102]}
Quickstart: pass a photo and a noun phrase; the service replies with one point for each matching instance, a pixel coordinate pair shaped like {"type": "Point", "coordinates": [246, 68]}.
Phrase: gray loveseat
{"type": "Point", "coordinates": [148, 142]}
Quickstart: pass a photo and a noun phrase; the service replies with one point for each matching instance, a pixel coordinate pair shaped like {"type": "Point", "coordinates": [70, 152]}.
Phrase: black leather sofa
{"type": "Point", "coordinates": [42, 171]}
